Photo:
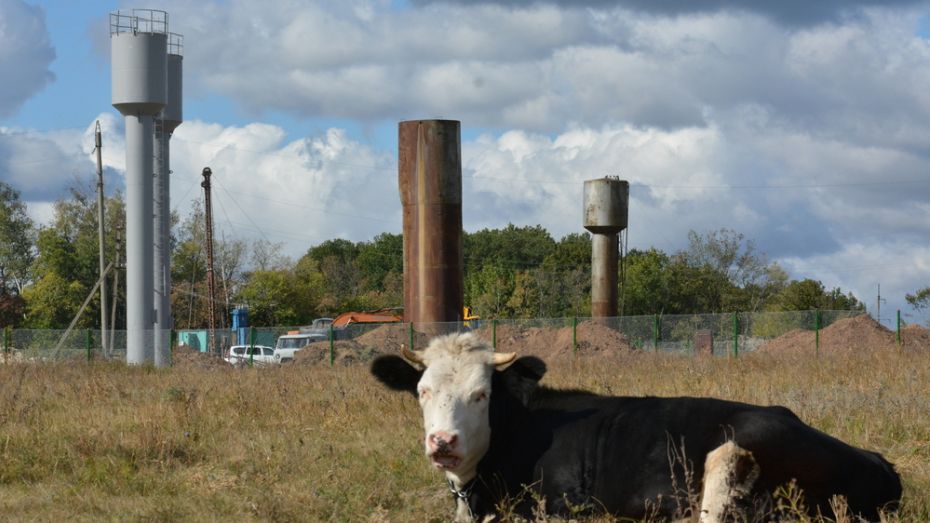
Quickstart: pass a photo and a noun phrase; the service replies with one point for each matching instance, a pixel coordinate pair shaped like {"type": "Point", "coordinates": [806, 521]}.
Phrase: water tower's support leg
{"type": "Point", "coordinates": [139, 239]}
{"type": "Point", "coordinates": [162, 222]}
{"type": "Point", "coordinates": [604, 260]}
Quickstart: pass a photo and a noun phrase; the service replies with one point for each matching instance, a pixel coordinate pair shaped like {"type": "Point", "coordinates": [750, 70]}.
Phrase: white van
{"type": "Point", "coordinates": [288, 344]}
{"type": "Point", "coordinates": [241, 355]}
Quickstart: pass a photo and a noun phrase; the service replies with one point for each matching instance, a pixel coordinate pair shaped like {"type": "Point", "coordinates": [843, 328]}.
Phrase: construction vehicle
{"type": "Point", "coordinates": [386, 315]}
{"type": "Point", "coordinates": [469, 318]}
{"type": "Point", "coordinates": [391, 315]}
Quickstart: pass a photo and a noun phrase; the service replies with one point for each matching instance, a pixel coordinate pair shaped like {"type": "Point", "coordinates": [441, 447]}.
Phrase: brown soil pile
{"type": "Point", "coordinates": [860, 333]}
{"type": "Point", "coordinates": [915, 337]}
{"type": "Point", "coordinates": [345, 352]}
{"type": "Point", "coordinates": [592, 339]}
{"type": "Point", "coordinates": [184, 356]}
{"type": "Point", "coordinates": [389, 338]}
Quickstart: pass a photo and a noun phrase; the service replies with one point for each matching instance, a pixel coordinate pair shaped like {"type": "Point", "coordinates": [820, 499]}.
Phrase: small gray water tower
{"type": "Point", "coordinates": [138, 54]}
{"type": "Point", "coordinates": [169, 119]}
{"type": "Point", "coordinates": [606, 207]}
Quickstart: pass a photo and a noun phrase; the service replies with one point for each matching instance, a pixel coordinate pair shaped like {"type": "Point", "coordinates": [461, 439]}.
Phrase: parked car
{"type": "Point", "coordinates": [288, 344]}
{"type": "Point", "coordinates": [240, 354]}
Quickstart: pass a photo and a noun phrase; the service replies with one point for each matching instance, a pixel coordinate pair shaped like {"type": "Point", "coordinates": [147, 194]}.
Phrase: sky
{"type": "Point", "coordinates": [804, 126]}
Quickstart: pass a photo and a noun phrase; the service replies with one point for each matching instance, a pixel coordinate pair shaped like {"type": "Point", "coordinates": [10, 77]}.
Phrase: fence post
{"type": "Point", "coordinates": [332, 345]}
{"type": "Point", "coordinates": [410, 334]}
{"type": "Point", "coordinates": [88, 344]}
{"type": "Point", "coordinates": [574, 334]}
{"type": "Point", "coordinates": [900, 344]}
{"type": "Point", "coordinates": [817, 332]}
{"type": "Point", "coordinates": [251, 346]}
{"type": "Point", "coordinates": [172, 343]}
{"type": "Point", "coordinates": [494, 333]}
{"type": "Point", "coordinates": [655, 333]}
{"type": "Point", "coordinates": [735, 334]}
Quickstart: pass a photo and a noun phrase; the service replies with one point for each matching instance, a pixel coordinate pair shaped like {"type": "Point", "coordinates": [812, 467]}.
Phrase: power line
{"type": "Point", "coordinates": [309, 207]}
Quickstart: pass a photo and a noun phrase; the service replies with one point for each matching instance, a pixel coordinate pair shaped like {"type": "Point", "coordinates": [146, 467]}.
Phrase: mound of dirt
{"type": "Point", "coordinates": [184, 356]}
{"type": "Point", "coordinates": [389, 338]}
{"type": "Point", "coordinates": [915, 337]}
{"type": "Point", "coordinates": [860, 333]}
{"type": "Point", "coordinates": [345, 352]}
{"type": "Point", "coordinates": [593, 339]}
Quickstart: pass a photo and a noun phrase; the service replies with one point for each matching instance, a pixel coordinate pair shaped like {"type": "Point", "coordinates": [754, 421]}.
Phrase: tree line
{"type": "Point", "coordinates": [47, 271]}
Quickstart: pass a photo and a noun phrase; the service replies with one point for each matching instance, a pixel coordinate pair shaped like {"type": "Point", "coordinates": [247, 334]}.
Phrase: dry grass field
{"type": "Point", "coordinates": [103, 442]}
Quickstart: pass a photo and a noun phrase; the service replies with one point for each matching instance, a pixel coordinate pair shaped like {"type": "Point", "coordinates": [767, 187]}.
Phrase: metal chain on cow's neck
{"type": "Point", "coordinates": [464, 494]}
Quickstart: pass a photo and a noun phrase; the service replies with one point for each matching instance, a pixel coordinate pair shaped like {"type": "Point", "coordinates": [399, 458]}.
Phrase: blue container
{"type": "Point", "coordinates": [240, 325]}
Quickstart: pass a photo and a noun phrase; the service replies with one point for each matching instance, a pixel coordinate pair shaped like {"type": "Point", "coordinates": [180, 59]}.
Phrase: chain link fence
{"type": "Point", "coordinates": [727, 334]}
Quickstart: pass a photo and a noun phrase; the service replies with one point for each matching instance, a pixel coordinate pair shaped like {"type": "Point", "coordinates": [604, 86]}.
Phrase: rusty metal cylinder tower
{"type": "Point", "coordinates": [430, 181]}
{"type": "Point", "coordinates": [606, 204]}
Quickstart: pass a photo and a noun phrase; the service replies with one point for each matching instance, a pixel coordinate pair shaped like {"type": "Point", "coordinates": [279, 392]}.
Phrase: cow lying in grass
{"type": "Point", "coordinates": [505, 443]}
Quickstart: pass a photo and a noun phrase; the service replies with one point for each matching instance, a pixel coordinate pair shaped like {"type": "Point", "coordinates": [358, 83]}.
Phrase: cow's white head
{"type": "Point", "coordinates": [454, 391]}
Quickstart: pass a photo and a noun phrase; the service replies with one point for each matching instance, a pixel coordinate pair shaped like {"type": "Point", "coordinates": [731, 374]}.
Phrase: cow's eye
{"type": "Point", "coordinates": [479, 396]}
{"type": "Point", "coordinates": [424, 394]}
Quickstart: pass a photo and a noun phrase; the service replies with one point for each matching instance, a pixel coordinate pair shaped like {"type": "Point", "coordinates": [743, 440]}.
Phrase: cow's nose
{"type": "Point", "coordinates": [442, 441]}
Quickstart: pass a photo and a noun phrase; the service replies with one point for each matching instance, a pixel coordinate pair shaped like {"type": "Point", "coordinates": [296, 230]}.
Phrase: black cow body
{"type": "Point", "coordinates": [641, 456]}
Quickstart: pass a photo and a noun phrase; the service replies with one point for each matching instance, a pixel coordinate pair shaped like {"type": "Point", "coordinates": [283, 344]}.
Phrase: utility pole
{"type": "Point", "coordinates": [98, 145]}
{"type": "Point", "coordinates": [878, 301]}
{"type": "Point", "coordinates": [211, 280]}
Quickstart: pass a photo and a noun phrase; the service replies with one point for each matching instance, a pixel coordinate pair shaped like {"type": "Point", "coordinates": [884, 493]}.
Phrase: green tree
{"type": "Point", "coordinates": [67, 258]}
{"type": "Point", "coordinates": [190, 304]}
{"type": "Point", "coordinates": [17, 242]}
{"type": "Point", "coordinates": [275, 297]}
{"type": "Point", "coordinates": [377, 259]}
{"type": "Point", "coordinates": [283, 296]}
{"type": "Point", "coordinates": [727, 252]}
{"type": "Point", "coordinates": [645, 288]}
{"type": "Point", "coordinates": [695, 290]}
{"type": "Point", "coordinates": [53, 300]}
{"type": "Point", "coordinates": [341, 250]}
{"type": "Point", "coordinates": [724, 272]}
{"type": "Point", "coordinates": [551, 293]}
{"type": "Point", "coordinates": [920, 300]}
{"type": "Point", "coordinates": [573, 251]}
{"type": "Point", "coordinates": [512, 247]}
{"type": "Point", "coordinates": [489, 290]}
{"type": "Point", "coordinates": [808, 294]}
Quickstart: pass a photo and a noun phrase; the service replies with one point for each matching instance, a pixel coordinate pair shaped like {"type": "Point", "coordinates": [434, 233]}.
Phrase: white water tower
{"type": "Point", "coordinates": [138, 54]}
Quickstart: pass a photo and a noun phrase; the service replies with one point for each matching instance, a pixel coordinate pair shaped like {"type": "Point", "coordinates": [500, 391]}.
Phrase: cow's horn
{"type": "Point", "coordinates": [411, 356]}
{"type": "Point", "coordinates": [503, 358]}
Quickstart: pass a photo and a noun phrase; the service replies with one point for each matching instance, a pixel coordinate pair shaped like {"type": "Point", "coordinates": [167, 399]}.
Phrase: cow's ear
{"type": "Point", "coordinates": [395, 373]}
{"type": "Point", "coordinates": [522, 377]}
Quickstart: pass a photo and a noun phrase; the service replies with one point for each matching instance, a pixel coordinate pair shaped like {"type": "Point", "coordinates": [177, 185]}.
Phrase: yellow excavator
{"type": "Point", "coordinates": [469, 318]}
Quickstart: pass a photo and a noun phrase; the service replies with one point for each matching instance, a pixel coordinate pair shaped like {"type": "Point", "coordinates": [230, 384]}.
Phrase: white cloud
{"type": "Point", "coordinates": [25, 54]}
{"type": "Point", "coordinates": [810, 138]}
{"type": "Point", "coordinates": [299, 192]}
{"type": "Point", "coordinates": [540, 67]}
{"type": "Point", "coordinates": [302, 192]}
{"type": "Point", "coordinates": [41, 165]}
